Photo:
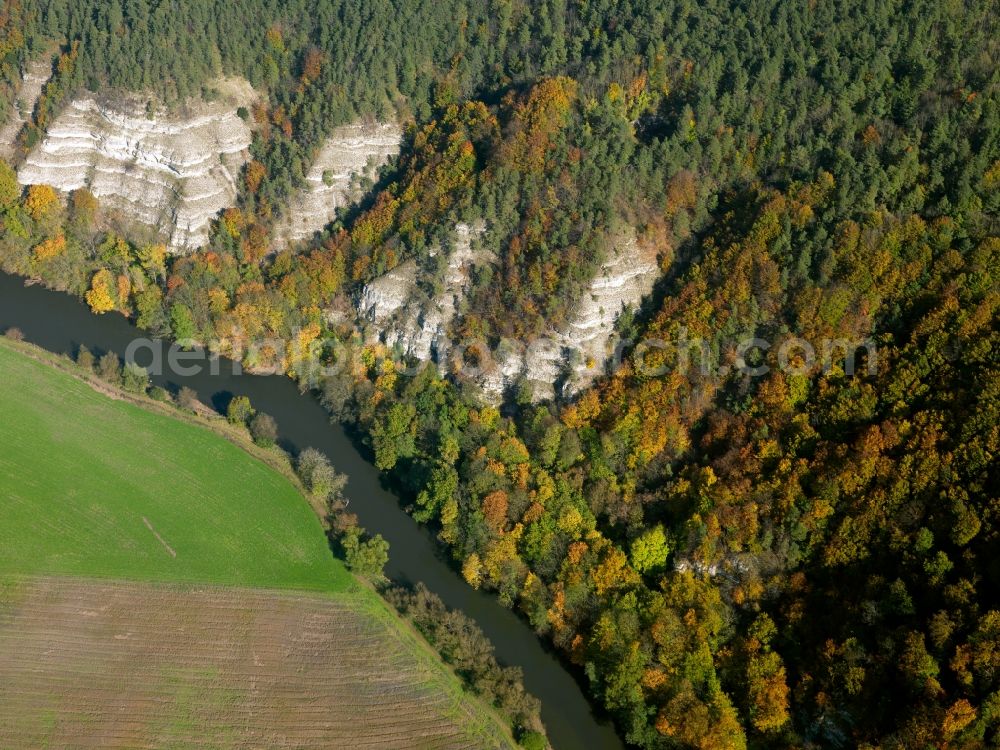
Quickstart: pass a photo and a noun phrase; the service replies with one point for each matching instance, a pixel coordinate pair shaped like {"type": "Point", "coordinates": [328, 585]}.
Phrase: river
{"type": "Point", "coordinates": [61, 323]}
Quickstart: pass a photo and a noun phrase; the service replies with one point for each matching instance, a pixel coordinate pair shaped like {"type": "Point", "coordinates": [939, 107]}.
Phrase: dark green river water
{"type": "Point", "coordinates": [61, 324]}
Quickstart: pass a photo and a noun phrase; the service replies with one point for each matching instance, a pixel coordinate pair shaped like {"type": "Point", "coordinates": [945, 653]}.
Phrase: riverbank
{"type": "Point", "coordinates": [203, 418]}
{"type": "Point", "coordinates": [60, 324]}
{"type": "Point", "coordinates": [206, 532]}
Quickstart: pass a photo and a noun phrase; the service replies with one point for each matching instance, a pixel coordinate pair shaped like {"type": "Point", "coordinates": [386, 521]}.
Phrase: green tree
{"type": "Point", "coordinates": [319, 476]}
{"type": "Point", "coordinates": [10, 189]}
{"type": "Point", "coordinates": [366, 557]}
{"type": "Point", "coordinates": [109, 368]}
{"type": "Point", "coordinates": [533, 741]}
{"type": "Point", "coordinates": [135, 379]}
{"type": "Point", "coordinates": [393, 437]}
{"type": "Point", "coordinates": [649, 551]}
{"type": "Point", "coordinates": [85, 358]}
{"type": "Point", "coordinates": [149, 308]}
{"type": "Point", "coordinates": [239, 411]}
{"type": "Point", "coordinates": [182, 324]}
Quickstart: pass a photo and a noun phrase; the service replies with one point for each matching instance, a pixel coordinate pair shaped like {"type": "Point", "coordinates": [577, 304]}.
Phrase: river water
{"type": "Point", "coordinates": [60, 323]}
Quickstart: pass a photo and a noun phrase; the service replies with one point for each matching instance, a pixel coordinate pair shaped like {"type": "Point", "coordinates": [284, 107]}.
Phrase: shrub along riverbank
{"type": "Point", "coordinates": [216, 506]}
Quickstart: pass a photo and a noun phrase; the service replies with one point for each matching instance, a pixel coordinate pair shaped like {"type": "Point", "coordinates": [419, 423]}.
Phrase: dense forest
{"type": "Point", "coordinates": [807, 558]}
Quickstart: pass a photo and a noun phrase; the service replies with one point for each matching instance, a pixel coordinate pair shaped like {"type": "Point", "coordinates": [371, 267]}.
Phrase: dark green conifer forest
{"type": "Point", "coordinates": [804, 559]}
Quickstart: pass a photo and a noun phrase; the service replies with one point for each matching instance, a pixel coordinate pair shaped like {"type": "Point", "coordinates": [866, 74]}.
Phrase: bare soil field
{"type": "Point", "coordinates": [109, 664]}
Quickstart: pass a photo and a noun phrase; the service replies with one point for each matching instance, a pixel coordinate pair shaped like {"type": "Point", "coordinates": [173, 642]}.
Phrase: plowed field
{"type": "Point", "coordinates": [162, 588]}
{"type": "Point", "coordinates": [142, 665]}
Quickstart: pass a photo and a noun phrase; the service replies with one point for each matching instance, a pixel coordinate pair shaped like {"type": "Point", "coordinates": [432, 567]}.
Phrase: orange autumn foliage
{"type": "Point", "coordinates": [50, 248]}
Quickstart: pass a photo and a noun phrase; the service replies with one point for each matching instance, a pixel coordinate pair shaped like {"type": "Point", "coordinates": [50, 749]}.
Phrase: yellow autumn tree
{"type": "Point", "coordinates": [85, 207]}
{"type": "Point", "coordinates": [255, 174]}
{"type": "Point", "coordinates": [500, 553]}
{"type": "Point", "coordinates": [958, 717]}
{"type": "Point", "coordinates": [768, 692]}
{"type": "Point", "coordinates": [233, 222]}
{"type": "Point", "coordinates": [766, 678]}
{"type": "Point", "coordinates": [613, 571]}
{"type": "Point", "coordinates": [124, 285]}
{"type": "Point", "coordinates": [495, 509]}
{"type": "Point", "coordinates": [100, 296]}
{"type": "Point", "coordinates": [300, 350]}
{"type": "Point", "coordinates": [472, 570]}
{"type": "Point", "coordinates": [40, 201]}
{"type": "Point", "coordinates": [218, 300]}
{"type": "Point", "coordinates": [154, 259]}
{"type": "Point", "coordinates": [449, 521]}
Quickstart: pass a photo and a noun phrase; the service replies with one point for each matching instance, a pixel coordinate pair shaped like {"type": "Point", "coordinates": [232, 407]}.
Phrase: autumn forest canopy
{"type": "Point", "coordinates": [804, 559]}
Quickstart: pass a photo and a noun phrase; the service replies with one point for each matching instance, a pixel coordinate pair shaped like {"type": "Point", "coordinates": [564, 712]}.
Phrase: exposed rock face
{"type": "Point", "coordinates": [170, 173]}
{"type": "Point", "coordinates": [623, 281]}
{"type": "Point", "coordinates": [353, 150]}
{"type": "Point", "coordinates": [401, 315]}
{"type": "Point", "coordinates": [563, 362]}
{"type": "Point", "coordinates": [35, 78]}
{"type": "Point", "coordinates": [384, 297]}
{"type": "Point", "coordinates": [560, 363]}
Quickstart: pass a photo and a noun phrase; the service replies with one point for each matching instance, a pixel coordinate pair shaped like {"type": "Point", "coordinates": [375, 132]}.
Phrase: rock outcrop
{"type": "Point", "coordinates": [172, 173]}
{"type": "Point", "coordinates": [564, 361]}
{"type": "Point", "coordinates": [395, 310]}
{"type": "Point", "coordinates": [353, 151]}
{"type": "Point", "coordinates": [35, 78]}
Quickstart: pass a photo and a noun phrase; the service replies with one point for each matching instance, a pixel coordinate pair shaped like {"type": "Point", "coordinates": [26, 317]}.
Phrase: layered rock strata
{"type": "Point", "coordinates": [333, 181]}
{"type": "Point", "coordinates": [398, 313]}
{"type": "Point", "coordinates": [171, 173]}
{"type": "Point", "coordinates": [564, 361]}
{"type": "Point", "coordinates": [559, 363]}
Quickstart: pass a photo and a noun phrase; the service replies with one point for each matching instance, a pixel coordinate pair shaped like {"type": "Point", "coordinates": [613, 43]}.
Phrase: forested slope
{"type": "Point", "coordinates": [804, 557]}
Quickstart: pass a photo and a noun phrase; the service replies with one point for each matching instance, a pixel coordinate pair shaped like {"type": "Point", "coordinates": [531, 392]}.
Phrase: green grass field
{"type": "Point", "coordinates": [140, 554]}
{"type": "Point", "coordinates": [97, 487]}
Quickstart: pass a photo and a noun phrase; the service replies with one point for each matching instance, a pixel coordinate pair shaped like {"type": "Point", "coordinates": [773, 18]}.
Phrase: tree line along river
{"type": "Point", "coordinates": [61, 324]}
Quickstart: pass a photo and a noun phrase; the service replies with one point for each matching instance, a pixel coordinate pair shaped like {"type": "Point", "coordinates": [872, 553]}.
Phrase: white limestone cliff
{"type": "Point", "coordinates": [559, 363]}
{"type": "Point", "coordinates": [564, 361]}
{"type": "Point", "coordinates": [625, 278]}
{"type": "Point", "coordinates": [352, 151]}
{"type": "Point", "coordinates": [173, 173]}
{"type": "Point", "coordinates": [400, 315]}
